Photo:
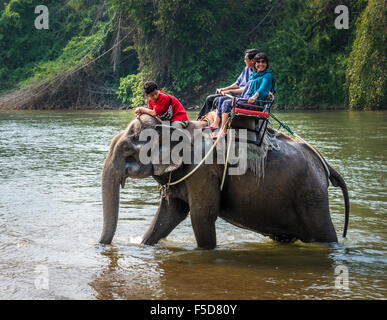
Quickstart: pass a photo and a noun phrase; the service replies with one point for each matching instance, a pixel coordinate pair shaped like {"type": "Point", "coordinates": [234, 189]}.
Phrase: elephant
{"type": "Point", "coordinates": [290, 203]}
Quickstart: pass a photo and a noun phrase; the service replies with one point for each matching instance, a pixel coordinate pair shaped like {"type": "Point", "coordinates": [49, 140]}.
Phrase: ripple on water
{"type": "Point", "coordinates": [51, 216]}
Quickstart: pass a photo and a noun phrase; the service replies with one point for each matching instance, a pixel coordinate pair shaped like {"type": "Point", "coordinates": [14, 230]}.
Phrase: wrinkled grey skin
{"type": "Point", "coordinates": [290, 203]}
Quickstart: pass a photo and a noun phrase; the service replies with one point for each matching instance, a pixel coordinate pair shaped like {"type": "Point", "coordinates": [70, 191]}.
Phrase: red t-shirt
{"type": "Point", "coordinates": [162, 109]}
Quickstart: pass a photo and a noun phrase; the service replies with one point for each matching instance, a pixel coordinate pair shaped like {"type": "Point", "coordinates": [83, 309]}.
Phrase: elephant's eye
{"type": "Point", "coordinates": [125, 147]}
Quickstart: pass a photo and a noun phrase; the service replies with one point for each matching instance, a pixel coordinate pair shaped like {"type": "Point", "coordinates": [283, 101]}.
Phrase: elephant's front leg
{"type": "Point", "coordinates": [169, 214]}
{"type": "Point", "coordinates": [204, 202]}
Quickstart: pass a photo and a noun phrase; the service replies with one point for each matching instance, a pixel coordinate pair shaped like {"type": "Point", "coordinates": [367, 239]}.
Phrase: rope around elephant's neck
{"type": "Point", "coordinates": [202, 161]}
{"type": "Point", "coordinates": [226, 161]}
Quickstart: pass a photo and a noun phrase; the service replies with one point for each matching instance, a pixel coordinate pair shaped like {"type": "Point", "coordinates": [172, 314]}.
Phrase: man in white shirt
{"type": "Point", "coordinates": [235, 89]}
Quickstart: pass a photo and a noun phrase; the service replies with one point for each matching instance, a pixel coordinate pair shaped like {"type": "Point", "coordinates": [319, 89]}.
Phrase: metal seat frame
{"type": "Point", "coordinates": [260, 106]}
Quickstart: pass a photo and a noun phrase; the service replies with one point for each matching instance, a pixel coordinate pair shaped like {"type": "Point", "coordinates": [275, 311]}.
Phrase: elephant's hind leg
{"type": "Point", "coordinates": [315, 220]}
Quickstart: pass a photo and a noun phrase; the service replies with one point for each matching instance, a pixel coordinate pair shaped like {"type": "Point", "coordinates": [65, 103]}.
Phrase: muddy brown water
{"type": "Point", "coordinates": [51, 219]}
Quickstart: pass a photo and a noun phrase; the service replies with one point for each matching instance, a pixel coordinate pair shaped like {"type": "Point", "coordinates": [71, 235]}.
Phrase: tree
{"type": "Point", "coordinates": [366, 72]}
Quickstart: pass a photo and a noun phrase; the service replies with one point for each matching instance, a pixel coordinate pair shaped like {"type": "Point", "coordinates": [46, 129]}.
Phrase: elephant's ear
{"type": "Point", "coordinates": [168, 160]}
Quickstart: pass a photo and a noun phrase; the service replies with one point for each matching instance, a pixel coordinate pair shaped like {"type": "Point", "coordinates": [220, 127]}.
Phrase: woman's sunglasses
{"type": "Point", "coordinates": [260, 61]}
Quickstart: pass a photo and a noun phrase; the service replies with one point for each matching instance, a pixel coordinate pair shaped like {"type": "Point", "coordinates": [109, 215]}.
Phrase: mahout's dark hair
{"type": "Point", "coordinates": [262, 55]}
{"type": "Point", "coordinates": [150, 86]}
{"type": "Point", "coordinates": [251, 53]}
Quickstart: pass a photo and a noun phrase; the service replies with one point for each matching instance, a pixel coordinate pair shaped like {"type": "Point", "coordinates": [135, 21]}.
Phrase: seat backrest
{"type": "Point", "coordinates": [259, 105]}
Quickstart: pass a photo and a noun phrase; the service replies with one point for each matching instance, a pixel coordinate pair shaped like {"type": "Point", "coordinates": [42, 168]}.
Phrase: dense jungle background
{"type": "Point", "coordinates": [98, 53]}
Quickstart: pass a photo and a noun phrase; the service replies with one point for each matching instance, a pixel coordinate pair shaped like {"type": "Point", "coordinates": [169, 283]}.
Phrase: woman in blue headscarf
{"type": "Point", "coordinates": [261, 83]}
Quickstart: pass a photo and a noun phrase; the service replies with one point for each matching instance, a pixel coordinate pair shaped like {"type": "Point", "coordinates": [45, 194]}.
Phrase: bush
{"type": "Point", "coordinates": [131, 89]}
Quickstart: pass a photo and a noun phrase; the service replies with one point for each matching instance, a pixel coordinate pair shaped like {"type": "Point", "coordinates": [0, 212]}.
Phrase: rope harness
{"type": "Point", "coordinates": [286, 127]}
{"type": "Point", "coordinates": [164, 188]}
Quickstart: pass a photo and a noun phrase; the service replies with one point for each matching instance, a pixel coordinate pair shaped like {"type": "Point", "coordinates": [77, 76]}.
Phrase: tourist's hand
{"type": "Point", "coordinates": [138, 111]}
{"type": "Point", "coordinates": [251, 100]}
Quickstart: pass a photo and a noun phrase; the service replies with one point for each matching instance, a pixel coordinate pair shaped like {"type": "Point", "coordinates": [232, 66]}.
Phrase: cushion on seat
{"type": "Point", "coordinates": [252, 113]}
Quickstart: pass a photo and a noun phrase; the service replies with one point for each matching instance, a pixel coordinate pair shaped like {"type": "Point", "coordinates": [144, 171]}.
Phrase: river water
{"type": "Point", "coordinates": [51, 219]}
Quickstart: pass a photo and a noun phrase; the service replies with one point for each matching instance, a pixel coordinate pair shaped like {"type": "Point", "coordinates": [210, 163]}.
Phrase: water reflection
{"type": "Point", "coordinates": [259, 271]}
{"type": "Point", "coordinates": [126, 276]}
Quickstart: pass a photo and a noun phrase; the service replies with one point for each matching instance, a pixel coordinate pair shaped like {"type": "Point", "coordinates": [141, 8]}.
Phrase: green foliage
{"type": "Point", "coordinates": [131, 88]}
{"type": "Point", "coordinates": [366, 73]}
{"type": "Point", "coordinates": [28, 54]}
{"type": "Point", "coordinates": [186, 43]}
{"type": "Point", "coordinates": [191, 47]}
{"type": "Point", "coordinates": [309, 55]}
{"type": "Point", "coordinates": [79, 50]}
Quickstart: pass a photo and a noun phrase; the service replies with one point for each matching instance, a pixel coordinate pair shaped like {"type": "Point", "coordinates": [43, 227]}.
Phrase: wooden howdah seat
{"type": "Point", "coordinates": [253, 117]}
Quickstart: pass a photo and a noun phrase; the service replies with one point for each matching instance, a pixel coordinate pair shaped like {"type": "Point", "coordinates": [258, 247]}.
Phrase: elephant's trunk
{"type": "Point", "coordinates": [110, 200]}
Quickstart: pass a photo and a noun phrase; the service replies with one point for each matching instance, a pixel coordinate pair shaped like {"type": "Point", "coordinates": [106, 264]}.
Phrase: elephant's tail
{"type": "Point", "coordinates": [338, 181]}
